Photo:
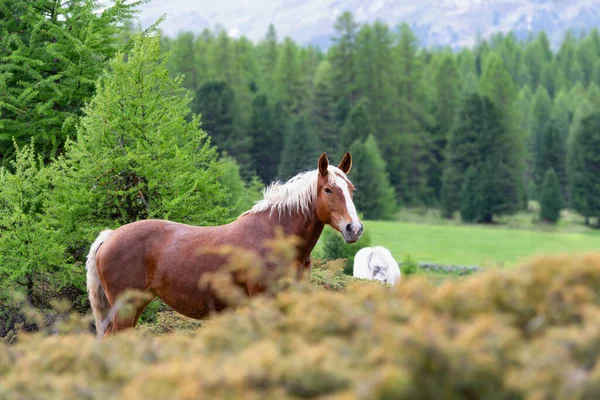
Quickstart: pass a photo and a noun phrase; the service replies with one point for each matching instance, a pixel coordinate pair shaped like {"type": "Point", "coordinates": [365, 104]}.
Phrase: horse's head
{"type": "Point", "coordinates": [334, 198]}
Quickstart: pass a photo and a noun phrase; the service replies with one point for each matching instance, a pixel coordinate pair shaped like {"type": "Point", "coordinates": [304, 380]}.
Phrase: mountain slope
{"type": "Point", "coordinates": [436, 22]}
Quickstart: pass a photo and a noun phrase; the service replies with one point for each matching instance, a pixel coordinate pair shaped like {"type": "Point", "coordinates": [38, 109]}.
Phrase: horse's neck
{"type": "Point", "coordinates": [309, 229]}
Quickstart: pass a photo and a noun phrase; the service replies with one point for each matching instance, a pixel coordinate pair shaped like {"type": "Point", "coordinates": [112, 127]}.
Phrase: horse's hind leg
{"type": "Point", "coordinates": [121, 322]}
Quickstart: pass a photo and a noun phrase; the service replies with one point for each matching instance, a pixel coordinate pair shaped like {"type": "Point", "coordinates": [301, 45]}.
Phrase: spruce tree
{"type": "Point", "coordinates": [448, 97]}
{"type": "Point", "coordinates": [552, 154]}
{"type": "Point", "coordinates": [137, 155]}
{"type": "Point", "coordinates": [215, 101]}
{"type": "Point", "coordinates": [301, 149]}
{"type": "Point", "coordinates": [288, 78]}
{"type": "Point", "coordinates": [52, 54]}
{"type": "Point", "coordinates": [408, 153]}
{"type": "Point", "coordinates": [562, 113]}
{"type": "Point", "coordinates": [374, 196]}
{"type": "Point", "coordinates": [357, 127]}
{"type": "Point", "coordinates": [481, 141]}
{"type": "Point", "coordinates": [541, 113]}
{"type": "Point", "coordinates": [323, 110]}
{"type": "Point", "coordinates": [472, 204]}
{"type": "Point", "coordinates": [551, 200]}
{"type": "Point", "coordinates": [583, 158]}
{"type": "Point", "coordinates": [342, 56]}
{"type": "Point", "coordinates": [267, 141]}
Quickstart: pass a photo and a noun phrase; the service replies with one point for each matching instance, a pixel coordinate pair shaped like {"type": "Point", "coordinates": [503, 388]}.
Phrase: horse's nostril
{"type": "Point", "coordinates": [360, 231]}
{"type": "Point", "coordinates": [349, 228]}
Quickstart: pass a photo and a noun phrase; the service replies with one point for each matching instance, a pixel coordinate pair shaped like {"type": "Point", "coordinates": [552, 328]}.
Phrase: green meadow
{"type": "Point", "coordinates": [474, 245]}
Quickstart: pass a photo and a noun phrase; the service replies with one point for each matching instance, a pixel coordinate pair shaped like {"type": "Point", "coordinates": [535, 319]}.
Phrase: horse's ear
{"type": "Point", "coordinates": [346, 163]}
{"type": "Point", "coordinates": [323, 164]}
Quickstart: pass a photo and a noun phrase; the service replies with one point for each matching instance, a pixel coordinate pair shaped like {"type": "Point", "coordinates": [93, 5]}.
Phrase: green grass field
{"type": "Point", "coordinates": [474, 245]}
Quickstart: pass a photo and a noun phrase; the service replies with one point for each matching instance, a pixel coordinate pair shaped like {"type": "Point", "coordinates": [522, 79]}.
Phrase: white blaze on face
{"type": "Point", "coordinates": [343, 184]}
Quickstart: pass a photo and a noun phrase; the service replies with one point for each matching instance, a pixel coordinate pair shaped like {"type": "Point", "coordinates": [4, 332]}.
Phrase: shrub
{"type": "Point", "coordinates": [409, 265]}
{"type": "Point", "coordinates": [525, 333]}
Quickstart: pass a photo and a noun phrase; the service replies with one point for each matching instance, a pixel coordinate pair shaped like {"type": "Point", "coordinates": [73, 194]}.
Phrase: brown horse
{"type": "Point", "coordinates": [162, 258]}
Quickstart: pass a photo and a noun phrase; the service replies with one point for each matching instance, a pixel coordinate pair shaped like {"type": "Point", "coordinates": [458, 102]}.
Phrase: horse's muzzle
{"type": "Point", "coordinates": [352, 232]}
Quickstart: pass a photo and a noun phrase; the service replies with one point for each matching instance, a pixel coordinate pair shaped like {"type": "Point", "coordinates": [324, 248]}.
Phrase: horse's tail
{"type": "Point", "coordinates": [98, 300]}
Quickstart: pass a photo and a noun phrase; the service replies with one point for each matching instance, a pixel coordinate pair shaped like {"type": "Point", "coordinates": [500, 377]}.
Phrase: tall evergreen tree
{"type": "Point", "coordinates": [288, 78]}
{"type": "Point", "coordinates": [552, 154]}
{"type": "Point", "coordinates": [587, 54]}
{"type": "Point", "coordinates": [583, 158]}
{"type": "Point", "coordinates": [562, 112]}
{"type": "Point", "coordinates": [184, 60]}
{"type": "Point", "coordinates": [268, 53]}
{"type": "Point", "coordinates": [551, 200]}
{"type": "Point", "coordinates": [136, 155]}
{"type": "Point", "coordinates": [374, 74]}
{"type": "Point", "coordinates": [541, 112]}
{"type": "Point", "coordinates": [267, 142]}
{"type": "Point", "coordinates": [374, 195]}
{"type": "Point", "coordinates": [409, 153]}
{"type": "Point", "coordinates": [523, 106]}
{"type": "Point", "coordinates": [215, 102]}
{"type": "Point", "coordinates": [342, 56]}
{"type": "Point", "coordinates": [447, 103]}
{"type": "Point", "coordinates": [481, 142]}
{"type": "Point", "coordinates": [52, 54]}
{"type": "Point", "coordinates": [357, 127]}
{"type": "Point", "coordinates": [301, 149]}
{"type": "Point", "coordinates": [323, 115]}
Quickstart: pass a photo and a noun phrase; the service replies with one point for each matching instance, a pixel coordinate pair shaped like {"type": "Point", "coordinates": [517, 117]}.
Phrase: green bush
{"type": "Point", "coordinates": [409, 265]}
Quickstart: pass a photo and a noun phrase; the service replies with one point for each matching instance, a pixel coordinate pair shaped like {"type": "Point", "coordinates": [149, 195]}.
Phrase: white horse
{"type": "Point", "coordinates": [376, 263]}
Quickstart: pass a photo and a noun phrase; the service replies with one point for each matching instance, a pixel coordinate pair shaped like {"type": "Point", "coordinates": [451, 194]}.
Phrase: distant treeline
{"type": "Point", "coordinates": [506, 107]}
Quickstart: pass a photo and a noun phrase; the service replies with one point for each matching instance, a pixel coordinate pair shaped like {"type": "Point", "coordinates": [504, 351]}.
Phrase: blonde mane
{"type": "Point", "coordinates": [298, 194]}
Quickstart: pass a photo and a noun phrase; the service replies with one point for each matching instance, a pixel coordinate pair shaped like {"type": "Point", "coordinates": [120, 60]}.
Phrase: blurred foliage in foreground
{"type": "Point", "coordinates": [531, 332]}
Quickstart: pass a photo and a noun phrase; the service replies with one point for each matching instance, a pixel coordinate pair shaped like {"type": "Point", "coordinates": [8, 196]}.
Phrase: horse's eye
{"type": "Point", "coordinates": [327, 190]}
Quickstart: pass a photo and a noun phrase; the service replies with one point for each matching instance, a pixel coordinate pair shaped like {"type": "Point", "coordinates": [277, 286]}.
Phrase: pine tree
{"type": "Point", "coordinates": [342, 57]}
{"type": "Point", "coordinates": [541, 112]}
{"type": "Point", "coordinates": [562, 112]}
{"type": "Point", "coordinates": [374, 75]}
{"type": "Point", "coordinates": [374, 196]}
{"type": "Point", "coordinates": [323, 110]}
{"type": "Point", "coordinates": [498, 86]}
{"type": "Point", "coordinates": [268, 52]}
{"type": "Point", "coordinates": [216, 102]}
{"type": "Point", "coordinates": [288, 78]}
{"type": "Point", "coordinates": [523, 106]}
{"type": "Point", "coordinates": [136, 155]}
{"type": "Point", "coordinates": [472, 204]}
{"type": "Point", "coordinates": [551, 200]}
{"type": "Point", "coordinates": [357, 127]}
{"type": "Point", "coordinates": [448, 97]}
{"type": "Point", "coordinates": [52, 54]}
{"type": "Point", "coordinates": [301, 149]}
{"type": "Point", "coordinates": [267, 142]}
{"type": "Point", "coordinates": [409, 153]}
{"type": "Point", "coordinates": [586, 56]}
{"type": "Point", "coordinates": [583, 157]}
{"type": "Point", "coordinates": [481, 141]}
{"type": "Point", "coordinates": [535, 58]}
{"type": "Point", "coordinates": [184, 60]}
